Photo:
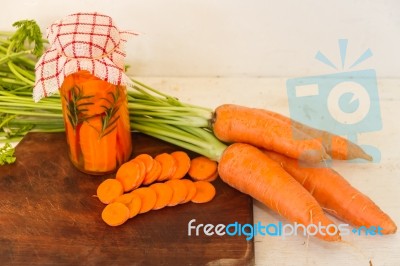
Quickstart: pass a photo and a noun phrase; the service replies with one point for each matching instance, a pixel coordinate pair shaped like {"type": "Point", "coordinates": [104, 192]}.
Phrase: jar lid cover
{"type": "Point", "coordinates": [81, 41]}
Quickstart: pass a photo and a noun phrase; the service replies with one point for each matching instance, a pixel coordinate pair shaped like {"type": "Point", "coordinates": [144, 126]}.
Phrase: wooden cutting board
{"type": "Point", "coordinates": [48, 215]}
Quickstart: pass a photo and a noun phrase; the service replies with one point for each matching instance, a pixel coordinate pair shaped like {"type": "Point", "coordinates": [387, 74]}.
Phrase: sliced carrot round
{"type": "Point", "coordinates": [148, 197]}
{"type": "Point", "coordinates": [168, 166]}
{"type": "Point", "coordinates": [213, 177]}
{"type": "Point", "coordinates": [153, 174]}
{"type": "Point", "coordinates": [180, 191]}
{"type": "Point", "coordinates": [134, 205]}
{"type": "Point", "coordinates": [205, 192]}
{"type": "Point", "coordinates": [191, 188]}
{"type": "Point", "coordinates": [147, 160]}
{"type": "Point", "coordinates": [164, 195]}
{"type": "Point", "coordinates": [142, 167]}
{"type": "Point", "coordinates": [183, 164]}
{"type": "Point", "coordinates": [202, 168]}
{"type": "Point", "coordinates": [109, 190]}
{"type": "Point", "coordinates": [124, 198]}
{"type": "Point", "coordinates": [115, 214]}
{"type": "Point", "coordinates": [130, 175]}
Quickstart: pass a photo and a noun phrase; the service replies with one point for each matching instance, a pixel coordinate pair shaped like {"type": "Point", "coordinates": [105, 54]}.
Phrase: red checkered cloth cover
{"type": "Point", "coordinates": [81, 41]}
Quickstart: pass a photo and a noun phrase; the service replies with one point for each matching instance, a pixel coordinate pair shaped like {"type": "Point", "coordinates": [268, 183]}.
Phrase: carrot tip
{"type": "Point", "coordinates": [367, 157]}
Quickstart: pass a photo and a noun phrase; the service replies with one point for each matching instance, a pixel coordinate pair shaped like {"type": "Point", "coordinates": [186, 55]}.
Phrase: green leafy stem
{"type": "Point", "coordinates": [76, 110]}
{"type": "Point", "coordinates": [7, 154]}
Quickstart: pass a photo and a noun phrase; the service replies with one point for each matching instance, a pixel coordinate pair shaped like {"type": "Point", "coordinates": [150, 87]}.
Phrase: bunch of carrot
{"type": "Point", "coordinates": [246, 165]}
{"type": "Point", "coordinates": [283, 183]}
{"type": "Point", "coordinates": [126, 197]}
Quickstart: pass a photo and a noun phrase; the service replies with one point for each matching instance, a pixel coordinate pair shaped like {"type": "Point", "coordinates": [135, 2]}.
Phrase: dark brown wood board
{"type": "Point", "coordinates": [49, 216]}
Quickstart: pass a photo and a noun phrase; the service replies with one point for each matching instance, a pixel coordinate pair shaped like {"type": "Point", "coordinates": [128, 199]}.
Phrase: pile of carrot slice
{"type": "Point", "coordinates": [146, 183]}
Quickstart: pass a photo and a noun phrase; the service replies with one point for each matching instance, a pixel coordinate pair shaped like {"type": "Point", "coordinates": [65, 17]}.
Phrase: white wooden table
{"type": "Point", "coordinates": [380, 181]}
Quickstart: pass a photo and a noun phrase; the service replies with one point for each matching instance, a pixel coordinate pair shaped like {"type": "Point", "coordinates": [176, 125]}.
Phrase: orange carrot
{"type": "Point", "coordinates": [99, 153]}
{"type": "Point", "coordinates": [148, 197]}
{"type": "Point", "coordinates": [164, 195]}
{"type": "Point", "coordinates": [98, 95]}
{"type": "Point", "coordinates": [142, 169]}
{"type": "Point", "coordinates": [336, 195]}
{"type": "Point", "coordinates": [212, 177]}
{"type": "Point", "coordinates": [205, 192]}
{"type": "Point", "coordinates": [70, 132]}
{"type": "Point", "coordinates": [233, 123]}
{"type": "Point", "coordinates": [73, 141]}
{"type": "Point", "coordinates": [202, 168]}
{"type": "Point", "coordinates": [250, 171]}
{"type": "Point", "coordinates": [132, 201]}
{"type": "Point", "coordinates": [130, 175]}
{"type": "Point", "coordinates": [183, 164]}
{"type": "Point", "coordinates": [109, 190]}
{"type": "Point", "coordinates": [191, 190]}
{"type": "Point", "coordinates": [134, 205]}
{"type": "Point", "coordinates": [147, 160]}
{"type": "Point", "coordinates": [336, 146]}
{"type": "Point", "coordinates": [168, 166]}
{"type": "Point", "coordinates": [153, 174]}
{"type": "Point", "coordinates": [115, 214]}
{"type": "Point", "coordinates": [123, 135]}
{"type": "Point", "coordinates": [124, 198]}
{"type": "Point", "coordinates": [180, 191]}
{"type": "Point", "coordinates": [83, 76]}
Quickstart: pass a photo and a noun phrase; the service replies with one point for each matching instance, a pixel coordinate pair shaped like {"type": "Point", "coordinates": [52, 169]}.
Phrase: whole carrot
{"type": "Point", "coordinates": [336, 195]}
{"type": "Point", "coordinates": [250, 171]}
{"type": "Point", "coordinates": [234, 123]}
{"type": "Point", "coordinates": [336, 146]}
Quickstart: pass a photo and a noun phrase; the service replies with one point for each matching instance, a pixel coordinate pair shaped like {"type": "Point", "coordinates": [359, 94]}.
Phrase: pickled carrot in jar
{"type": "Point", "coordinates": [97, 125]}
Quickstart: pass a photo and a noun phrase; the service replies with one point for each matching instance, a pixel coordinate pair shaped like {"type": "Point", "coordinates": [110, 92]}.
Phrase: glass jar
{"type": "Point", "coordinates": [96, 119]}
